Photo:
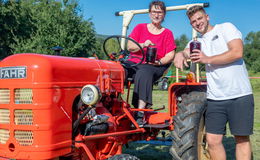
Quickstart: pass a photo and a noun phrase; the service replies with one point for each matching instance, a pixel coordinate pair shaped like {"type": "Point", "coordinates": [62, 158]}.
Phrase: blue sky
{"type": "Point", "coordinates": [242, 13]}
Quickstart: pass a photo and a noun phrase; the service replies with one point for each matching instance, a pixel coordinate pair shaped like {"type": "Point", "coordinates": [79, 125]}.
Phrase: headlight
{"type": "Point", "coordinates": [90, 94]}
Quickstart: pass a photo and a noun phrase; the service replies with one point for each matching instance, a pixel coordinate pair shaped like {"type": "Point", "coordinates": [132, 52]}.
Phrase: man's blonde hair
{"type": "Point", "coordinates": [192, 10]}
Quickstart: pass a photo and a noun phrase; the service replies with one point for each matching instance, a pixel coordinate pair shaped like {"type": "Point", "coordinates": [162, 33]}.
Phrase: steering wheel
{"type": "Point", "coordinates": [121, 55]}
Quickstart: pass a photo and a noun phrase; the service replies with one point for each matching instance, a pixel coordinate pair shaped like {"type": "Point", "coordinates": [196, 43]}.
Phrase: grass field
{"type": "Point", "coordinates": [157, 152]}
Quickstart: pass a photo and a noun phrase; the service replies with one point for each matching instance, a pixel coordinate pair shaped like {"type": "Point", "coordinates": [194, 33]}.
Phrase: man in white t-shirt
{"type": "Point", "coordinates": [229, 94]}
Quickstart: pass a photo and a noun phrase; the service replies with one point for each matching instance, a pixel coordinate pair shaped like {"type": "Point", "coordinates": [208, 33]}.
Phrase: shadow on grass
{"type": "Point", "coordinates": [148, 151]}
{"type": "Point", "coordinates": [160, 152]}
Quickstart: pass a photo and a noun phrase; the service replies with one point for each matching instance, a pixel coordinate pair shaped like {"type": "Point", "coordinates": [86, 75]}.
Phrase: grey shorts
{"type": "Point", "coordinates": [238, 112]}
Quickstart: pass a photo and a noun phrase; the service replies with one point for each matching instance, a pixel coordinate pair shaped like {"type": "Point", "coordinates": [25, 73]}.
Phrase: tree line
{"type": "Point", "coordinates": [35, 26]}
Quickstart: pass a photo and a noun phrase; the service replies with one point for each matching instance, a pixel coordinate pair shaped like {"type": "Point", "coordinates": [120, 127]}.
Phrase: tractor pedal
{"type": "Point", "coordinates": [160, 126]}
{"type": "Point", "coordinates": [159, 109]}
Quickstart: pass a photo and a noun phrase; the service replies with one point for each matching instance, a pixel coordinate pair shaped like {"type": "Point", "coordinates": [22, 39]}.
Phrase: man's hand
{"type": "Point", "coordinates": [199, 56]}
{"type": "Point", "coordinates": [179, 60]}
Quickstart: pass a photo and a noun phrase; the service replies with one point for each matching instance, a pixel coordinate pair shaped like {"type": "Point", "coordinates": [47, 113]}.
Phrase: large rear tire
{"type": "Point", "coordinates": [123, 157]}
{"type": "Point", "coordinates": [189, 142]}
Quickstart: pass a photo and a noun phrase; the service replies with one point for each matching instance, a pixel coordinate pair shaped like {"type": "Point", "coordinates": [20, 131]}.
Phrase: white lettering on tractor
{"type": "Point", "coordinates": [21, 73]}
{"type": "Point", "coordinates": [6, 75]}
{"type": "Point", "coordinates": [12, 72]}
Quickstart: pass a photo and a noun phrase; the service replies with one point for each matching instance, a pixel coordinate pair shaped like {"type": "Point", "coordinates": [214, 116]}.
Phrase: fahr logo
{"type": "Point", "coordinates": [12, 72]}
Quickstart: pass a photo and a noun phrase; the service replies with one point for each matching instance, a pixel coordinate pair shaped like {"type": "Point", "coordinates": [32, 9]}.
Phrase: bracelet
{"type": "Point", "coordinates": [159, 61]}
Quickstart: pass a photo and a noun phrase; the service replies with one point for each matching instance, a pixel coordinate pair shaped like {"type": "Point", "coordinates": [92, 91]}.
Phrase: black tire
{"type": "Point", "coordinates": [188, 136]}
{"type": "Point", "coordinates": [123, 157]}
{"type": "Point", "coordinates": [164, 86]}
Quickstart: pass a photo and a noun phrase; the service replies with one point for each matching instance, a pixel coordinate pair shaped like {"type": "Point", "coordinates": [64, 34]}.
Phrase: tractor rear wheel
{"type": "Point", "coordinates": [188, 136]}
{"type": "Point", "coordinates": [123, 157]}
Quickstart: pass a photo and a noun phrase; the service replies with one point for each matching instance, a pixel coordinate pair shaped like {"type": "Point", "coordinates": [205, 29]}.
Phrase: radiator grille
{"type": "Point", "coordinates": [4, 116]}
{"type": "Point", "coordinates": [23, 96]}
{"type": "Point", "coordinates": [4, 96]}
{"type": "Point", "coordinates": [23, 117]}
{"type": "Point", "coordinates": [24, 138]}
{"type": "Point", "coordinates": [4, 136]}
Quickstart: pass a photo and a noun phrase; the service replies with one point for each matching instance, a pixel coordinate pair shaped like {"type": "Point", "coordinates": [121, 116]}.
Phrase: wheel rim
{"type": "Point", "coordinates": [165, 86]}
{"type": "Point", "coordinates": [203, 153]}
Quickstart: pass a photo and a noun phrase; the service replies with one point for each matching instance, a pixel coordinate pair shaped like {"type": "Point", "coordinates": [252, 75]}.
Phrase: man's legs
{"type": "Point", "coordinates": [241, 120]}
{"type": "Point", "coordinates": [216, 148]}
{"type": "Point", "coordinates": [243, 148]}
{"type": "Point", "coordinates": [215, 120]}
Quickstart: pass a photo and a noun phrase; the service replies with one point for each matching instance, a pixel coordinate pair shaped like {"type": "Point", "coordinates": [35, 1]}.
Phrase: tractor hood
{"type": "Point", "coordinates": [41, 71]}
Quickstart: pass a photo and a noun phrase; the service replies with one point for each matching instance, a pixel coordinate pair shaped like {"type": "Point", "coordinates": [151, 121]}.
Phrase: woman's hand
{"type": "Point", "coordinates": [156, 63]}
{"type": "Point", "coordinates": [147, 43]}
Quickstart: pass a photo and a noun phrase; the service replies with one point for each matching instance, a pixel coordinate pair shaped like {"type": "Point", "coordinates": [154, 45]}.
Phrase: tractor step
{"type": "Point", "coordinates": [156, 126]}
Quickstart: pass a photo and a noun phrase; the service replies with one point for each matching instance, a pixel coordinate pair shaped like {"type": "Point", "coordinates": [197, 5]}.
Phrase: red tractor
{"type": "Point", "coordinates": [55, 107]}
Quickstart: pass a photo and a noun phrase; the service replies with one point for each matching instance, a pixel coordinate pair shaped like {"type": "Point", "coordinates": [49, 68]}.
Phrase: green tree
{"type": "Point", "coordinates": [12, 24]}
{"type": "Point", "coordinates": [38, 25]}
{"type": "Point", "coordinates": [181, 42]}
{"type": "Point", "coordinates": [252, 50]}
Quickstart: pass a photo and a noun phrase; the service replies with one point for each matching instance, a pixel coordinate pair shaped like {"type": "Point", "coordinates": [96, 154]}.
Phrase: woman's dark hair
{"type": "Point", "coordinates": [158, 4]}
{"type": "Point", "coordinates": [192, 10]}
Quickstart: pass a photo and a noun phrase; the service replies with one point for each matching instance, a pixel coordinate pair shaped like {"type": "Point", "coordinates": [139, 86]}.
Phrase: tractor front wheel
{"type": "Point", "coordinates": [188, 136]}
{"type": "Point", "coordinates": [123, 157]}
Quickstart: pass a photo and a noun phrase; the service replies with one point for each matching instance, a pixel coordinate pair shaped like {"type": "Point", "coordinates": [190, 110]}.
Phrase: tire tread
{"type": "Point", "coordinates": [186, 126]}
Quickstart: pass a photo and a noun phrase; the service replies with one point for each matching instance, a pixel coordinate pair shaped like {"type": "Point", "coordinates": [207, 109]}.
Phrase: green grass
{"type": "Point", "coordinates": [155, 152]}
{"type": "Point", "coordinates": [255, 138]}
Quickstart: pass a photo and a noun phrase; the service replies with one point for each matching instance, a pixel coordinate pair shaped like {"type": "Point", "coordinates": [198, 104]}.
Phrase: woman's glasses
{"type": "Point", "coordinates": [160, 13]}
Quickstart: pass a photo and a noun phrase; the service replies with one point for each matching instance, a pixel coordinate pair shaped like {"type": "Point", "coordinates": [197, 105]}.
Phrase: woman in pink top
{"type": "Point", "coordinates": [149, 34]}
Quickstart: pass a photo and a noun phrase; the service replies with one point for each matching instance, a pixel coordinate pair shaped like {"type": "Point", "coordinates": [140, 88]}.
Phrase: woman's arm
{"type": "Point", "coordinates": [168, 58]}
{"type": "Point", "coordinates": [132, 47]}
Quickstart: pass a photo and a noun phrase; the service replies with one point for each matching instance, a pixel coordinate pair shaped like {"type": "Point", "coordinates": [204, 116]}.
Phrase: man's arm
{"type": "Point", "coordinates": [235, 52]}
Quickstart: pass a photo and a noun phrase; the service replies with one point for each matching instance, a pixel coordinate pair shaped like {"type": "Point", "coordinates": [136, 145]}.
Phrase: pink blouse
{"type": "Point", "coordinates": [164, 42]}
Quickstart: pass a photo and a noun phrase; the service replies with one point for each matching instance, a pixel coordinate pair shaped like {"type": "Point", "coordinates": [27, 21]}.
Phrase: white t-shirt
{"type": "Point", "coordinates": [224, 81]}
